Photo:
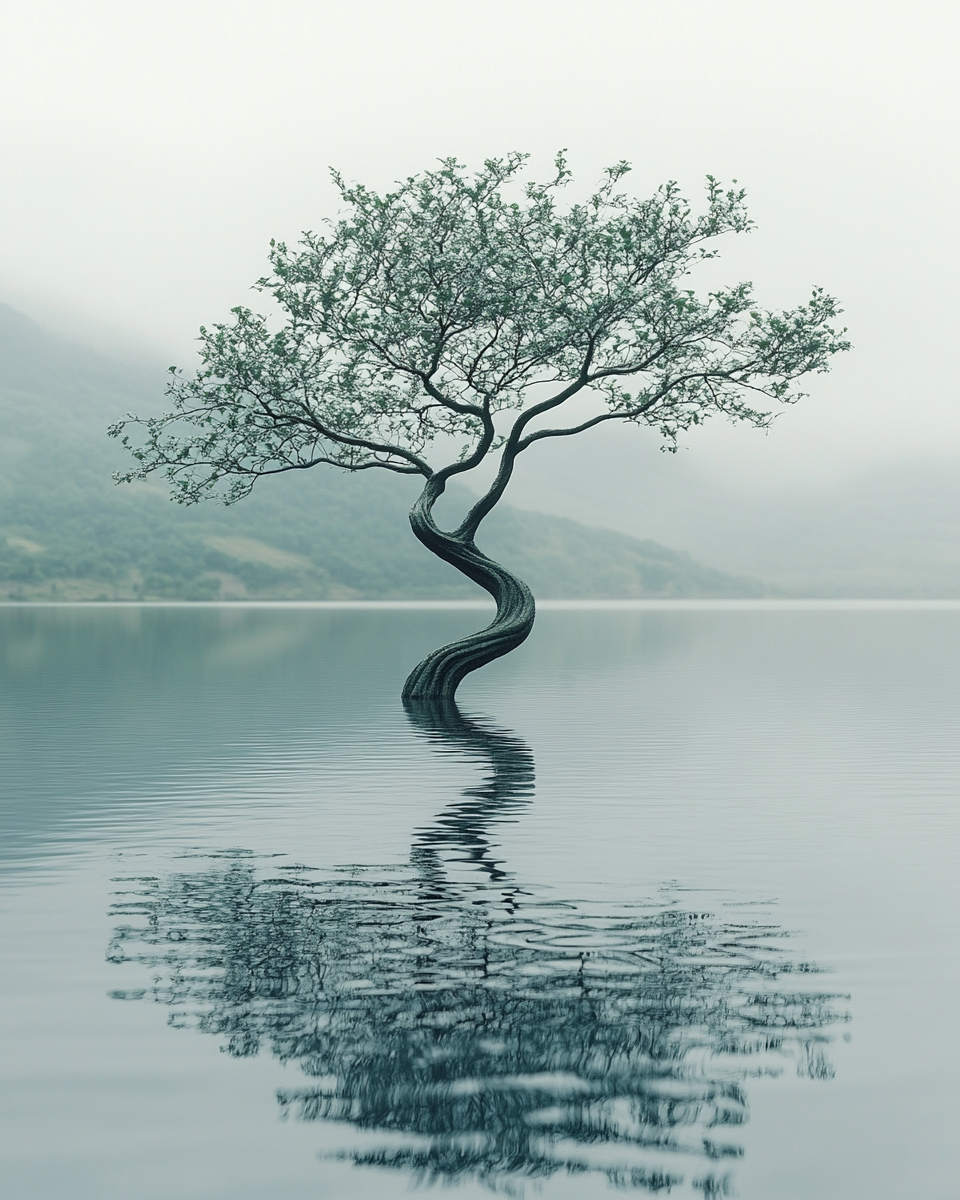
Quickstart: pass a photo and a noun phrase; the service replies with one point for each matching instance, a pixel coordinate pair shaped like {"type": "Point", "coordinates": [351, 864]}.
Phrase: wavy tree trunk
{"type": "Point", "coordinates": [439, 675]}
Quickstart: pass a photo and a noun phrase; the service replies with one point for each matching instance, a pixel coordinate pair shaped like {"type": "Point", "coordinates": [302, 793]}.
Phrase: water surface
{"type": "Point", "coordinates": [672, 908]}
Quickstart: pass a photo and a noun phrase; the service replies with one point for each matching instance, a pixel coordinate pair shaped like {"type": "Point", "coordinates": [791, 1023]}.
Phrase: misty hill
{"type": "Point", "coordinates": [67, 532]}
{"type": "Point", "coordinates": [889, 530]}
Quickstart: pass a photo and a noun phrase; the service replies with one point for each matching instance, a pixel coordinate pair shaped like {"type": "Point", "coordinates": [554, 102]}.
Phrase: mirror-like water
{"type": "Point", "coordinates": [670, 907]}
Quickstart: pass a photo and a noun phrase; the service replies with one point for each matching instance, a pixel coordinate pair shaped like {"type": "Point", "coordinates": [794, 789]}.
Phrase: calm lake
{"type": "Point", "coordinates": [672, 909]}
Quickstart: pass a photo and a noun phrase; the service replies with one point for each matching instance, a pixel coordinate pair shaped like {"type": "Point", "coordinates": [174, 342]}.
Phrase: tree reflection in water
{"type": "Point", "coordinates": [472, 1029]}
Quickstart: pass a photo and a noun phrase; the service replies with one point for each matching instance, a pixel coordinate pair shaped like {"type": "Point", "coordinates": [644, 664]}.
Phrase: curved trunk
{"type": "Point", "coordinates": [439, 675]}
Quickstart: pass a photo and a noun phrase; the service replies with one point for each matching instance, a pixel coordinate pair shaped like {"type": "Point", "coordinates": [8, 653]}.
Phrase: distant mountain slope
{"type": "Point", "coordinates": [66, 531]}
{"type": "Point", "coordinates": [887, 530]}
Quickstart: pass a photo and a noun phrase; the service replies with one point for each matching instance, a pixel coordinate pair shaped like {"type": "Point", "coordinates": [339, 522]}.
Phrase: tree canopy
{"type": "Point", "coordinates": [435, 308]}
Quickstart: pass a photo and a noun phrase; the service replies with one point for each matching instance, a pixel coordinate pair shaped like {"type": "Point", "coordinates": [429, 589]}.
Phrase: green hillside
{"type": "Point", "coordinates": [67, 532]}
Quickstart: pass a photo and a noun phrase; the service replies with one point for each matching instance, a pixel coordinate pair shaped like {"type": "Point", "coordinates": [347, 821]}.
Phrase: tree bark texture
{"type": "Point", "coordinates": [440, 674]}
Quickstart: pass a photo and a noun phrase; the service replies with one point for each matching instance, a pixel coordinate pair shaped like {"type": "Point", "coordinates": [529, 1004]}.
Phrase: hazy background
{"type": "Point", "coordinates": [150, 151]}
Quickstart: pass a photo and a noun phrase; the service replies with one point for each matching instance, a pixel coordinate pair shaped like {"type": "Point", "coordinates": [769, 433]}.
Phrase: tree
{"type": "Point", "coordinates": [445, 311]}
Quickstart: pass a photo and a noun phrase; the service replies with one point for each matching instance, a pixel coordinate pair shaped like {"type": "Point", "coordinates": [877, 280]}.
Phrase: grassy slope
{"type": "Point", "coordinates": [67, 532]}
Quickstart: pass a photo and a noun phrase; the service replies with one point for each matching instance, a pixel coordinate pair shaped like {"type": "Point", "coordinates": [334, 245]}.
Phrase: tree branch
{"type": "Point", "coordinates": [511, 449]}
{"type": "Point", "coordinates": [610, 416]}
{"type": "Point", "coordinates": [366, 466]}
{"type": "Point", "coordinates": [310, 421]}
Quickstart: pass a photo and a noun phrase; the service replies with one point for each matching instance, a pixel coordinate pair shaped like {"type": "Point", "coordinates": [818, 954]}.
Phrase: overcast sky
{"type": "Point", "coordinates": [150, 150]}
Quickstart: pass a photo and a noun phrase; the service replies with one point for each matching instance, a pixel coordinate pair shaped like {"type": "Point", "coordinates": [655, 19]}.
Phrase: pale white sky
{"type": "Point", "coordinates": [151, 149]}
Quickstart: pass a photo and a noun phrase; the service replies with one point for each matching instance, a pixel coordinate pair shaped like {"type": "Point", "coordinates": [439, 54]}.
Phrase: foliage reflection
{"type": "Point", "coordinates": [465, 1027]}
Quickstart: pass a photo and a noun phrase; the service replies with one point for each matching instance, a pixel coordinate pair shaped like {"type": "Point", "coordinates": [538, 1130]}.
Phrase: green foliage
{"type": "Point", "coordinates": [442, 307]}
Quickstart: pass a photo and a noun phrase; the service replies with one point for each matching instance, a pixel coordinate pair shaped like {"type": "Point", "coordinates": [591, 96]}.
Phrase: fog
{"type": "Point", "coordinates": [150, 151]}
